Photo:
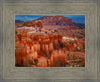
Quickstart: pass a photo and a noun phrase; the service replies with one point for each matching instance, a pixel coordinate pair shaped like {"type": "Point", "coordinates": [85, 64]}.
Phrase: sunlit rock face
{"type": "Point", "coordinates": [48, 51]}
{"type": "Point", "coordinates": [49, 42]}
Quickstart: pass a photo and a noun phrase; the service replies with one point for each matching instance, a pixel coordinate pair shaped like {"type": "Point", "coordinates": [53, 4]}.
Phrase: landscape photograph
{"type": "Point", "coordinates": [50, 40]}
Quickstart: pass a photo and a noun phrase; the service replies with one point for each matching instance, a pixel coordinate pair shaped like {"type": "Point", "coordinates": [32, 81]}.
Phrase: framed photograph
{"type": "Point", "coordinates": [49, 41]}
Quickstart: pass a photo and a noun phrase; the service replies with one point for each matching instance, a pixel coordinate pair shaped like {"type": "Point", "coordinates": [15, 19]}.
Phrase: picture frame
{"type": "Point", "coordinates": [11, 73]}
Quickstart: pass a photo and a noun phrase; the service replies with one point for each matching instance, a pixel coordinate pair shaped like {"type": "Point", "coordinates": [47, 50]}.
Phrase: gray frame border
{"type": "Point", "coordinates": [98, 45]}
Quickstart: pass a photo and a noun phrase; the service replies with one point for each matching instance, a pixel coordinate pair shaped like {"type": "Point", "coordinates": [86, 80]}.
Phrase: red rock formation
{"type": "Point", "coordinates": [19, 55]}
{"type": "Point", "coordinates": [42, 62]}
{"type": "Point", "coordinates": [60, 37]}
{"type": "Point", "coordinates": [16, 38]}
{"type": "Point", "coordinates": [57, 58]}
{"type": "Point", "coordinates": [51, 38]}
{"type": "Point", "coordinates": [56, 20]}
{"type": "Point", "coordinates": [36, 47]}
{"type": "Point", "coordinates": [47, 50]}
{"type": "Point", "coordinates": [51, 48]}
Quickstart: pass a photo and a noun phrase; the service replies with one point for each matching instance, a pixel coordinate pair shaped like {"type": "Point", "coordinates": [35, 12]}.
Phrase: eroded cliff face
{"type": "Point", "coordinates": [48, 50]}
{"type": "Point", "coordinates": [52, 21]}
{"type": "Point", "coordinates": [50, 41]}
{"type": "Point", "coordinates": [56, 20]}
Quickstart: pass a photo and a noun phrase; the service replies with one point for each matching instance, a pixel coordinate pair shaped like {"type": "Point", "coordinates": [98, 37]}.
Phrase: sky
{"type": "Point", "coordinates": [75, 18]}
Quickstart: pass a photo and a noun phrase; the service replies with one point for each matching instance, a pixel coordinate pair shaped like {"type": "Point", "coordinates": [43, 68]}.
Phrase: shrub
{"type": "Point", "coordinates": [35, 61]}
{"type": "Point", "coordinates": [83, 47]}
{"type": "Point", "coordinates": [70, 42]}
{"type": "Point", "coordinates": [56, 63]}
{"type": "Point", "coordinates": [29, 64]}
{"type": "Point", "coordinates": [78, 48]}
{"type": "Point", "coordinates": [67, 54]}
{"type": "Point", "coordinates": [16, 32]}
{"type": "Point", "coordinates": [66, 46]}
{"type": "Point", "coordinates": [73, 56]}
